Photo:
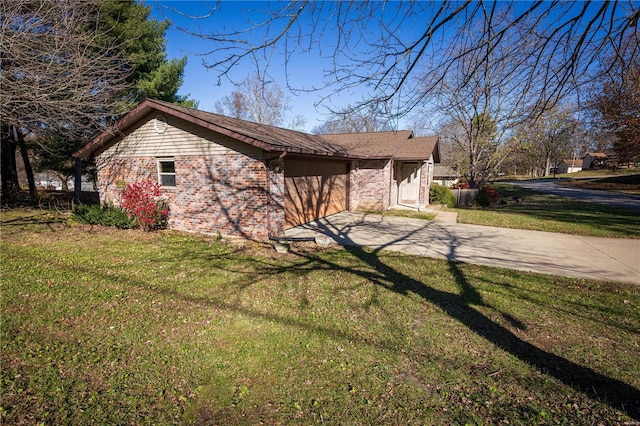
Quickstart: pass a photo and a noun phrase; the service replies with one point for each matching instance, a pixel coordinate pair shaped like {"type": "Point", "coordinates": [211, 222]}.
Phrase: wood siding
{"type": "Point", "coordinates": [178, 138]}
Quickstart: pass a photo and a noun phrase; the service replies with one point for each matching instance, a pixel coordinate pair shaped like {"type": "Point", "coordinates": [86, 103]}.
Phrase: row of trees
{"type": "Point", "coordinates": [68, 70]}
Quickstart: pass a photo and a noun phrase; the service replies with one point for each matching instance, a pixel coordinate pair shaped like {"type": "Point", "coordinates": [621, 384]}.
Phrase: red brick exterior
{"type": "Point", "coordinates": [374, 184]}
{"type": "Point", "coordinates": [234, 194]}
{"type": "Point", "coordinates": [369, 184]}
{"type": "Point", "coordinates": [426, 176]}
{"type": "Point", "coordinates": [239, 195]}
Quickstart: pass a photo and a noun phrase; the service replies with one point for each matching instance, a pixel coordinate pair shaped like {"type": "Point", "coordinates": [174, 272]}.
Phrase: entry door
{"type": "Point", "coordinates": [410, 183]}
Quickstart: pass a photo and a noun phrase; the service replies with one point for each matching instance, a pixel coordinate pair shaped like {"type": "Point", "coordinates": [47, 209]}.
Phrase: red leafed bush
{"type": "Point", "coordinates": [141, 202]}
{"type": "Point", "coordinates": [488, 195]}
{"type": "Point", "coordinates": [492, 193]}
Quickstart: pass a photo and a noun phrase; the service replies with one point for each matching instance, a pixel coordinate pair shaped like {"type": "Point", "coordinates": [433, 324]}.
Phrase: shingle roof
{"type": "Point", "coordinates": [417, 148]}
{"type": "Point", "coordinates": [370, 144]}
{"type": "Point", "coordinates": [400, 144]}
{"type": "Point", "coordinates": [596, 154]}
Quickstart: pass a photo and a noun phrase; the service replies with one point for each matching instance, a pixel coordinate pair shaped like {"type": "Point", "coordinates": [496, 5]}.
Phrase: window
{"type": "Point", "coordinates": [166, 172]}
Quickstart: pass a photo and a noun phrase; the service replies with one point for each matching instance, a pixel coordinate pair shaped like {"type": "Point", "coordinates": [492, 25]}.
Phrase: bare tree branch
{"type": "Point", "coordinates": [376, 45]}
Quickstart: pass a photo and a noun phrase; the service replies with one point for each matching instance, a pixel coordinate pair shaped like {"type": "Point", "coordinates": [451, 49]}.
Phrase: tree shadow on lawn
{"type": "Point", "coordinates": [460, 307]}
{"type": "Point", "coordinates": [613, 392]}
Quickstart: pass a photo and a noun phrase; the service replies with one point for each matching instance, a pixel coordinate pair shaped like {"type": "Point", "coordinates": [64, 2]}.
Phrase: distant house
{"type": "Point", "coordinates": [569, 166]}
{"type": "Point", "coordinates": [594, 160]}
{"type": "Point", "coordinates": [444, 175]}
{"type": "Point", "coordinates": [220, 174]}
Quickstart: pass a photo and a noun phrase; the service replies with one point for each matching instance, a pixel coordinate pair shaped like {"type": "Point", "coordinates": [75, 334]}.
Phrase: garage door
{"type": "Point", "coordinates": [313, 190]}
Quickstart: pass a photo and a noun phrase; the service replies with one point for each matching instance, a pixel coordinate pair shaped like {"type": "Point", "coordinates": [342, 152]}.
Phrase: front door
{"type": "Point", "coordinates": [410, 184]}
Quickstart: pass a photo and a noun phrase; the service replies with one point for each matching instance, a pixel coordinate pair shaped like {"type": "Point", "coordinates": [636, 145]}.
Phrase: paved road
{"type": "Point", "coordinates": [589, 195]}
{"type": "Point", "coordinates": [606, 259]}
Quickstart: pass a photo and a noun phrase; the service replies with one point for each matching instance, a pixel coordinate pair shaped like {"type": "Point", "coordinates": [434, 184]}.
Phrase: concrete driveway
{"type": "Point", "coordinates": [607, 259]}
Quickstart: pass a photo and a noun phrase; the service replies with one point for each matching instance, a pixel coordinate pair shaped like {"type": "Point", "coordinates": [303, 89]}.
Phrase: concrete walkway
{"type": "Point", "coordinates": [606, 259]}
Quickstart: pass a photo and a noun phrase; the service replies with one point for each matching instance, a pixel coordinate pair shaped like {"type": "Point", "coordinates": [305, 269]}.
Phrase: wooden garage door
{"type": "Point", "coordinates": [313, 189]}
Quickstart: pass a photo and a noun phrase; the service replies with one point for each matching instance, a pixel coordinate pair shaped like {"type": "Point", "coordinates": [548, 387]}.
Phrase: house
{"type": "Point", "coordinates": [445, 175]}
{"type": "Point", "coordinates": [238, 178]}
{"type": "Point", "coordinates": [594, 160]}
{"type": "Point", "coordinates": [569, 166]}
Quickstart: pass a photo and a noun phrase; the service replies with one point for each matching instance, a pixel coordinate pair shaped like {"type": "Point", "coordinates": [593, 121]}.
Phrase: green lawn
{"type": "Point", "coordinates": [103, 326]}
{"type": "Point", "coordinates": [546, 212]}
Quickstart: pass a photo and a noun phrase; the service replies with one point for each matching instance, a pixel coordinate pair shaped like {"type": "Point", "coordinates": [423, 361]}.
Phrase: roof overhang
{"type": "Point", "coordinates": [217, 124]}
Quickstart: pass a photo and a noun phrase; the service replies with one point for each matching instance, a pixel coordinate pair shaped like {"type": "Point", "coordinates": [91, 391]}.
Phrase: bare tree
{"type": "Point", "coordinates": [57, 77]}
{"type": "Point", "coordinates": [349, 121]}
{"type": "Point", "coordinates": [542, 143]}
{"type": "Point", "coordinates": [384, 46]}
{"type": "Point", "coordinates": [481, 100]}
{"type": "Point", "coordinates": [259, 101]}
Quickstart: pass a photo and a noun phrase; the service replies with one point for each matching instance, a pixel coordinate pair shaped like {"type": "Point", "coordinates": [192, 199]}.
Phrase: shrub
{"type": "Point", "coordinates": [107, 215]}
{"type": "Point", "coordinates": [141, 201]}
{"type": "Point", "coordinates": [488, 195]}
{"type": "Point", "coordinates": [441, 195]}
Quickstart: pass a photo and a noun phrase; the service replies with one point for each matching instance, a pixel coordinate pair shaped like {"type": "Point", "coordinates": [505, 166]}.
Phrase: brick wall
{"type": "Point", "coordinates": [369, 185]}
{"type": "Point", "coordinates": [276, 218]}
{"type": "Point", "coordinates": [219, 193]}
{"type": "Point", "coordinates": [426, 176]}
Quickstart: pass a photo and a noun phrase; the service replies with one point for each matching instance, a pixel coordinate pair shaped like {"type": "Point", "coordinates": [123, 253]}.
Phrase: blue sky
{"type": "Point", "coordinates": [203, 85]}
{"type": "Point", "coordinates": [305, 69]}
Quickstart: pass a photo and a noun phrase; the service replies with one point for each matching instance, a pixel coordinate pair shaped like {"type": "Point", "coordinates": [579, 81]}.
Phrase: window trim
{"type": "Point", "coordinates": [161, 173]}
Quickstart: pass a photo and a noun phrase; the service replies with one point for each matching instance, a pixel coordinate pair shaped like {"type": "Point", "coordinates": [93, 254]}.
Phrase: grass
{"type": "Point", "coordinates": [545, 212]}
{"type": "Point", "coordinates": [414, 214]}
{"type": "Point", "coordinates": [103, 326]}
{"type": "Point", "coordinates": [596, 173]}
{"type": "Point", "coordinates": [592, 173]}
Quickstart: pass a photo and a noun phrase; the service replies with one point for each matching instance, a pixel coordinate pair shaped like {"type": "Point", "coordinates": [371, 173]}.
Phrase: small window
{"type": "Point", "coordinates": [166, 172]}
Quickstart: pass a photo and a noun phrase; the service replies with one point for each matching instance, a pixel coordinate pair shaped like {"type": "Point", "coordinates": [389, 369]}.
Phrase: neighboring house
{"type": "Point", "coordinates": [569, 166]}
{"type": "Point", "coordinates": [220, 174]}
{"type": "Point", "coordinates": [47, 181]}
{"type": "Point", "coordinates": [594, 160]}
{"type": "Point", "coordinates": [445, 175]}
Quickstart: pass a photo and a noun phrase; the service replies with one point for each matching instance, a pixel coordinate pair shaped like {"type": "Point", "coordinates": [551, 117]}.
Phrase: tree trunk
{"type": "Point", "coordinates": [27, 166]}
{"type": "Point", "coordinates": [77, 188]}
{"type": "Point", "coordinates": [8, 168]}
{"type": "Point", "coordinates": [547, 166]}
